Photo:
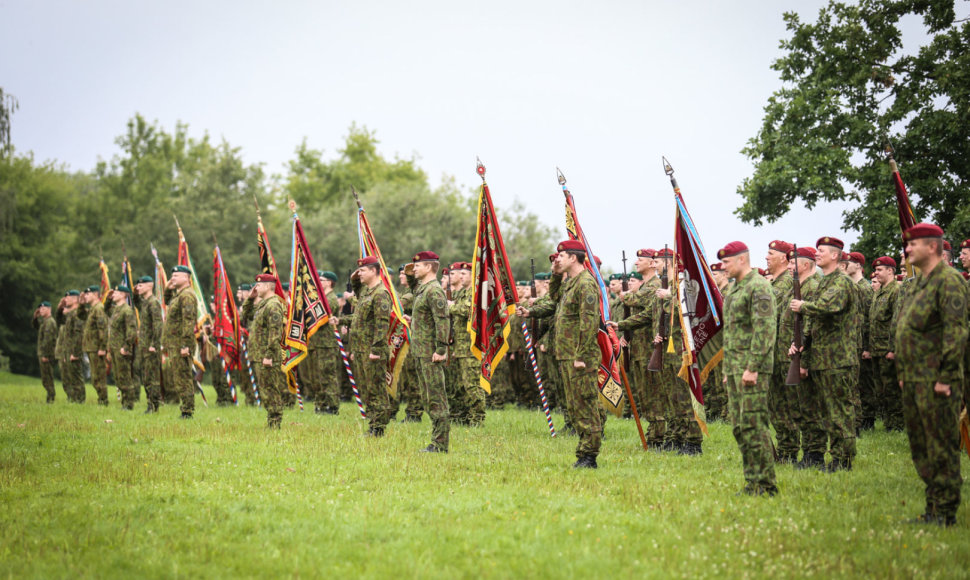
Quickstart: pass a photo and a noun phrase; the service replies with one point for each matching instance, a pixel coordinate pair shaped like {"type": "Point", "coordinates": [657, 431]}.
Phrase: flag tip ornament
{"type": "Point", "coordinates": [480, 168]}
{"type": "Point", "coordinates": [353, 190]}
{"type": "Point", "coordinates": [560, 177]}
{"type": "Point", "coordinates": [668, 169]}
{"type": "Point", "coordinates": [292, 205]}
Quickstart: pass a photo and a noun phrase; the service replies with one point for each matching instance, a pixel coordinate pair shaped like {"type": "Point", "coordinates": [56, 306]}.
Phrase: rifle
{"type": "Point", "coordinates": [532, 293]}
{"type": "Point", "coordinates": [794, 372]}
{"type": "Point", "coordinates": [451, 328]}
{"type": "Point", "coordinates": [627, 335]}
{"type": "Point", "coordinates": [347, 309]}
{"type": "Point", "coordinates": [657, 358]}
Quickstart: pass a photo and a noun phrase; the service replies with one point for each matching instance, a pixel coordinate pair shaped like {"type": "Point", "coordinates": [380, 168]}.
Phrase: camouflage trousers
{"type": "Point", "coordinates": [523, 381]}
{"type": "Point", "coordinates": [582, 401]}
{"type": "Point", "coordinates": [409, 390]}
{"type": "Point", "coordinates": [180, 378]}
{"type": "Point", "coordinates": [47, 378]}
{"type": "Point", "coordinates": [149, 371]}
{"type": "Point", "coordinates": [372, 384]}
{"type": "Point", "coordinates": [783, 404]}
{"type": "Point", "coordinates": [835, 387]}
{"type": "Point", "coordinates": [465, 391]}
{"type": "Point", "coordinates": [321, 379]}
{"type": "Point", "coordinates": [121, 372]}
{"type": "Point", "coordinates": [749, 423]}
{"type": "Point", "coordinates": [681, 426]}
{"type": "Point", "coordinates": [272, 384]}
{"type": "Point", "coordinates": [934, 442]}
{"type": "Point", "coordinates": [99, 376]}
{"type": "Point", "coordinates": [856, 395]}
{"type": "Point", "coordinates": [432, 378]}
{"type": "Point", "coordinates": [219, 382]}
{"type": "Point", "coordinates": [651, 406]}
{"type": "Point", "coordinates": [867, 392]}
{"type": "Point", "coordinates": [72, 379]}
{"type": "Point", "coordinates": [246, 374]}
{"type": "Point", "coordinates": [887, 393]}
{"type": "Point", "coordinates": [715, 396]}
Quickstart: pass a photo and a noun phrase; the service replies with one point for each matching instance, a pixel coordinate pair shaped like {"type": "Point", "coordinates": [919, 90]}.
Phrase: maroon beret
{"type": "Point", "coordinates": [780, 246]}
{"type": "Point", "coordinates": [461, 266]}
{"type": "Point", "coordinates": [444, 271]}
{"type": "Point", "coordinates": [900, 277]}
{"type": "Point", "coordinates": [368, 260]}
{"type": "Point", "coordinates": [807, 252]}
{"type": "Point", "coordinates": [717, 267]}
{"type": "Point", "coordinates": [648, 253]}
{"type": "Point", "coordinates": [762, 272]}
{"type": "Point", "coordinates": [966, 275]}
{"type": "Point", "coordinates": [265, 278]}
{"type": "Point", "coordinates": [830, 241]}
{"type": "Point", "coordinates": [732, 249]}
{"type": "Point", "coordinates": [552, 257]}
{"type": "Point", "coordinates": [571, 246]}
{"type": "Point", "coordinates": [922, 230]}
{"type": "Point", "coordinates": [858, 258]}
{"type": "Point", "coordinates": [946, 246]}
{"type": "Point", "coordinates": [965, 244]}
{"type": "Point", "coordinates": [597, 259]}
{"type": "Point", "coordinates": [664, 253]}
{"type": "Point", "coordinates": [425, 257]}
{"type": "Point", "coordinates": [884, 261]}
{"type": "Point", "coordinates": [845, 257]}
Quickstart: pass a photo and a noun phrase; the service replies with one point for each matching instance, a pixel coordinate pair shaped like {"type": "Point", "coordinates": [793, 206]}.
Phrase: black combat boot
{"type": "Point", "coordinates": [810, 460]}
{"type": "Point", "coordinates": [585, 462]}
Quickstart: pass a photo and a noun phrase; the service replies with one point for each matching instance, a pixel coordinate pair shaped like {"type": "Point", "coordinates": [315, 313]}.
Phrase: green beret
{"type": "Point", "coordinates": [72, 293]}
{"type": "Point", "coordinates": [245, 287]}
{"type": "Point", "coordinates": [286, 285]}
{"type": "Point", "coordinates": [636, 275]}
{"type": "Point", "coordinates": [45, 304]}
{"type": "Point", "coordinates": [401, 268]}
{"type": "Point", "coordinates": [123, 288]}
{"type": "Point", "coordinates": [328, 275]}
{"type": "Point", "coordinates": [182, 269]}
{"type": "Point", "coordinates": [543, 275]}
{"type": "Point", "coordinates": [145, 279]}
{"type": "Point", "coordinates": [93, 288]}
{"type": "Point", "coordinates": [616, 276]}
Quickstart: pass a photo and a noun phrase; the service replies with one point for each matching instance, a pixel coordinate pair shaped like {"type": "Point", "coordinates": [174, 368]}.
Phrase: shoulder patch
{"type": "Point", "coordinates": [956, 305]}
{"type": "Point", "coordinates": [762, 305]}
{"type": "Point", "coordinates": [590, 299]}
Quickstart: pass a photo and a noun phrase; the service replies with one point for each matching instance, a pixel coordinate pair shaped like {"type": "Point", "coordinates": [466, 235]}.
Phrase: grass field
{"type": "Point", "coordinates": [87, 491]}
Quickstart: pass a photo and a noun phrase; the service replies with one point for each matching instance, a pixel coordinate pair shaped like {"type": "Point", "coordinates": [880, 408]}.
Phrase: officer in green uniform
{"type": "Point", "coordinates": [867, 402]}
{"type": "Point", "coordinates": [882, 341]}
{"type": "Point", "coordinates": [267, 312]}
{"type": "Point", "coordinates": [750, 325]}
{"type": "Point", "coordinates": [469, 386]}
{"type": "Point", "coordinates": [122, 338]}
{"type": "Point", "coordinates": [178, 339]}
{"type": "Point", "coordinates": [95, 340]}
{"type": "Point", "coordinates": [244, 381]}
{"type": "Point", "coordinates": [429, 343]}
{"type": "Point", "coordinates": [715, 393]}
{"type": "Point", "coordinates": [782, 399]}
{"type": "Point", "coordinates": [408, 386]}
{"type": "Point", "coordinates": [148, 356]}
{"type": "Point", "coordinates": [322, 356]}
{"type": "Point", "coordinates": [931, 334]}
{"type": "Point", "coordinates": [577, 314]}
{"type": "Point", "coordinates": [46, 344]}
{"type": "Point", "coordinates": [69, 348]}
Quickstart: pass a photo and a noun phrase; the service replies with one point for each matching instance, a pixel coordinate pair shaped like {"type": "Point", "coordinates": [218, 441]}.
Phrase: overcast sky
{"type": "Point", "coordinates": [600, 89]}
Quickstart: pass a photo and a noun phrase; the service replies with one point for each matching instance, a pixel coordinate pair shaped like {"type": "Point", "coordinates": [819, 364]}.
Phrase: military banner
{"type": "Point", "coordinates": [105, 282]}
{"type": "Point", "coordinates": [611, 390]}
{"type": "Point", "coordinates": [184, 259]}
{"type": "Point", "coordinates": [398, 337]}
{"type": "Point", "coordinates": [161, 280]}
{"type": "Point", "coordinates": [907, 218]}
{"type": "Point", "coordinates": [308, 310]}
{"type": "Point", "coordinates": [126, 280]}
{"type": "Point", "coordinates": [266, 262]}
{"type": "Point", "coordinates": [225, 318]}
{"type": "Point", "coordinates": [494, 294]}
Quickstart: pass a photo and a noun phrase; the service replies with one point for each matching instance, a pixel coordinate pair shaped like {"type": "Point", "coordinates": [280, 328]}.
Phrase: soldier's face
{"type": "Point", "coordinates": [732, 265]}
{"type": "Point", "coordinates": [876, 285]}
{"type": "Point", "coordinates": [634, 284]}
{"type": "Point", "coordinates": [180, 279]}
{"type": "Point", "coordinates": [644, 264]}
{"type": "Point", "coordinates": [965, 257]}
{"type": "Point", "coordinates": [421, 269]}
{"type": "Point", "coordinates": [615, 286]}
{"type": "Point", "coordinates": [264, 289]}
{"type": "Point", "coordinates": [885, 274]}
{"type": "Point", "coordinates": [826, 256]}
{"type": "Point", "coordinates": [45, 311]}
{"type": "Point", "coordinates": [775, 260]}
{"type": "Point", "coordinates": [402, 278]}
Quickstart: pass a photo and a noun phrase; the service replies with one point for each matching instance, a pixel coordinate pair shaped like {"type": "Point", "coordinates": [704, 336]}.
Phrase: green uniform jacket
{"type": "Point", "coordinates": [46, 336]}
{"type": "Point", "coordinates": [122, 329]}
{"type": "Point", "coordinates": [882, 329]}
{"type": "Point", "coordinates": [641, 319]}
{"type": "Point", "coordinates": [865, 296]}
{"type": "Point", "coordinates": [429, 319]}
{"type": "Point", "coordinates": [70, 337]}
{"type": "Point", "coordinates": [750, 326]}
{"type": "Point", "coordinates": [150, 328]}
{"type": "Point", "coordinates": [577, 318]}
{"type": "Point", "coordinates": [932, 328]}
{"type": "Point", "coordinates": [95, 327]}
{"type": "Point", "coordinates": [460, 312]}
{"type": "Point", "coordinates": [369, 324]}
{"type": "Point", "coordinates": [830, 317]}
{"type": "Point", "coordinates": [783, 292]}
{"type": "Point", "coordinates": [178, 331]}
{"type": "Point", "coordinates": [324, 337]}
{"type": "Point", "coordinates": [266, 332]}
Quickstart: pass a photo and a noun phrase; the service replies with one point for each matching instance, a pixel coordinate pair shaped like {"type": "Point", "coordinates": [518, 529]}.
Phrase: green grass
{"type": "Point", "coordinates": [87, 491]}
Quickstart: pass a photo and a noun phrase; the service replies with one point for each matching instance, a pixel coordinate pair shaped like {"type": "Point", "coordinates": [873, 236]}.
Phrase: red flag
{"type": "Point", "coordinates": [161, 280]}
{"type": "Point", "coordinates": [398, 338]}
{"type": "Point", "coordinates": [266, 261]}
{"type": "Point", "coordinates": [907, 218]}
{"type": "Point", "coordinates": [184, 259]}
{"type": "Point", "coordinates": [611, 391]}
{"type": "Point", "coordinates": [225, 319]}
{"type": "Point", "coordinates": [308, 310]}
{"type": "Point", "coordinates": [493, 290]}
{"type": "Point", "coordinates": [105, 282]}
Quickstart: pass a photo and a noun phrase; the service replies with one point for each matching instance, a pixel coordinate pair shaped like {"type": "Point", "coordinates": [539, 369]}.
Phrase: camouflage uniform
{"type": "Point", "coordinates": [368, 335]}
{"type": "Point", "coordinates": [577, 319]}
{"type": "Point", "coordinates": [321, 365]}
{"type": "Point", "coordinates": [46, 343]}
{"type": "Point", "coordinates": [122, 333]}
{"type": "Point", "coordinates": [149, 364]}
{"type": "Point", "coordinates": [178, 332]}
{"type": "Point", "coordinates": [69, 343]}
{"type": "Point", "coordinates": [469, 390]}
{"type": "Point", "coordinates": [683, 432]}
{"type": "Point", "coordinates": [429, 335]}
{"type": "Point", "coordinates": [750, 326]}
{"type": "Point", "coordinates": [96, 339]}
{"type": "Point", "coordinates": [868, 400]}
{"type": "Point", "coordinates": [810, 418]}
{"type": "Point", "coordinates": [217, 369]}
{"type": "Point", "coordinates": [834, 360]}
{"type": "Point", "coordinates": [546, 359]}
{"type": "Point", "coordinates": [882, 340]}
{"type": "Point", "coordinates": [266, 333]}
{"type": "Point", "coordinates": [648, 395]}
{"type": "Point", "coordinates": [408, 386]}
{"type": "Point", "coordinates": [783, 399]}
{"type": "Point", "coordinates": [931, 334]}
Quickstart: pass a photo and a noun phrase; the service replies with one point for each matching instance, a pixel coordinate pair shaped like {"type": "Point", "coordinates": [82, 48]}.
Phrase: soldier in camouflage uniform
{"type": "Point", "coordinates": [408, 386]}
{"type": "Point", "coordinates": [122, 338]}
{"type": "Point", "coordinates": [148, 357]}
{"type": "Point", "coordinates": [46, 343]}
{"type": "Point", "coordinates": [320, 369]}
{"type": "Point", "coordinates": [931, 335]}
{"type": "Point", "coordinates": [69, 347]}
{"type": "Point", "coordinates": [715, 393]}
{"type": "Point", "coordinates": [429, 344]}
{"type": "Point", "coordinates": [833, 357]}
{"type": "Point", "coordinates": [882, 340]}
{"type": "Point", "coordinates": [868, 403]}
{"type": "Point", "coordinates": [545, 356]}
{"type": "Point", "coordinates": [268, 314]}
{"type": "Point", "coordinates": [214, 362]}
{"type": "Point", "coordinates": [468, 385]}
{"type": "Point", "coordinates": [782, 399]}
{"type": "Point", "coordinates": [178, 339]}
{"type": "Point", "coordinates": [95, 341]}
{"type": "Point", "coordinates": [577, 322]}
{"type": "Point", "coordinates": [750, 326]}
{"type": "Point", "coordinates": [860, 307]}
{"type": "Point", "coordinates": [369, 349]}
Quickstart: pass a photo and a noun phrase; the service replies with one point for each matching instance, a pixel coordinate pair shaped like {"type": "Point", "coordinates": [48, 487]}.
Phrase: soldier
{"type": "Point", "coordinates": [931, 335]}
{"type": "Point", "coordinates": [868, 403]}
{"type": "Point", "coordinates": [178, 339]}
{"type": "Point", "coordinates": [268, 315]}
{"type": "Point", "coordinates": [408, 387]}
{"type": "Point", "coordinates": [882, 340]}
{"type": "Point", "coordinates": [148, 361]}
{"type": "Point", "coordinates": [715, 394]}
{"type": "Point", "coordinates": [215, 362]}
{"type": "Point", "coordinates": [323, 355]}
{"type": "Point", "coordinates": [95, 340]}
{"type": "Point", "coordinates": [369, 349]}
{"type": "Point", "coordinates": [244, 381]}
{"type": "Point", "coordinates": [750, 326]}
{"type": "Point", "coordinates": [782, 399]}
{"type": "Point", "coordinates": [474, 396]}
{"type": "Point", "coordinates": [46, 343]}
{"type": "Point", "coordinates": [122, 339]}
{"type": "Point", "coordinates": [577, 316]}
{"type": "Point", "coordinates": [69, 346]}
{"type": "Point", "coordinates": [429, 343]}
{"type": "Point", "coordinates": [833, 357]}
